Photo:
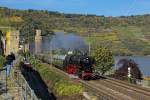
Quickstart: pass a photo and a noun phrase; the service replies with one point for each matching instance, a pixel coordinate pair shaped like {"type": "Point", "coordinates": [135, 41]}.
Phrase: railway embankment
{"type": "Point", "coordinates": [62, 87]}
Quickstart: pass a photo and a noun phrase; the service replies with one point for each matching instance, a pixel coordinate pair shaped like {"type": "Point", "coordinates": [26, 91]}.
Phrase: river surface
{"type": "Point", "coordinates": [142, 61]}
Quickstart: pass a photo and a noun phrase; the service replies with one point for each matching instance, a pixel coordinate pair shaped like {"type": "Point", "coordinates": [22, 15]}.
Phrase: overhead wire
{"type": "Point", "coordinates": [130, 8]}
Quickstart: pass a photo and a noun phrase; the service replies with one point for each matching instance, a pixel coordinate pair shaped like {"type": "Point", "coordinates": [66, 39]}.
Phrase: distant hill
{"type": "Point", "coordinates": [124, 35]}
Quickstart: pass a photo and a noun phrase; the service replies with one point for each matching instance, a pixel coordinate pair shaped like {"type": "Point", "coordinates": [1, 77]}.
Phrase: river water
{"type": "Point", "coordinates": [142, 61]}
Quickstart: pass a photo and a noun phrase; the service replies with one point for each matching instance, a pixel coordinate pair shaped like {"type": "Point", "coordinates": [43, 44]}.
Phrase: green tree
{"type": "Point", "coordinates": [103, 59]}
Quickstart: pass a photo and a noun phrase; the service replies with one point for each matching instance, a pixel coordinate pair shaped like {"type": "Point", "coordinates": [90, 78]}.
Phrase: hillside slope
{"type": "Point", "coordinates": [124, 35]}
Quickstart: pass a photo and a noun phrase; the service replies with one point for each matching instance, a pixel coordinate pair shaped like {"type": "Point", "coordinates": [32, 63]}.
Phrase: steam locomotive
{"type": "Point", "coordinates": [78, 65]}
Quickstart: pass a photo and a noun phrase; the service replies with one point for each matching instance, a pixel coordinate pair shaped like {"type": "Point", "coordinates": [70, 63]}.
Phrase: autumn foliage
{"type": "Point", "coordinates": [104, 59]}
{"type": "Point", "coordinates": [122, 72]}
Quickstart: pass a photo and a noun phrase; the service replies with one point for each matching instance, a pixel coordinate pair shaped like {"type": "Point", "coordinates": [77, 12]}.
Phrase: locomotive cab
{"type": "Point", "coordinates": [87, 67]}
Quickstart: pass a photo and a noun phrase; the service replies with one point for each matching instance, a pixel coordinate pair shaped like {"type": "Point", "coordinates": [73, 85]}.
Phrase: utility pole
{"type": "Point", "coordinates": [90, 31]}
{"type": "Point", "coordinates": [51, 52]}
{"type": "Point", "coordinates": [23, 44]}
{"type": "Point", "coordinates": [89, 47]}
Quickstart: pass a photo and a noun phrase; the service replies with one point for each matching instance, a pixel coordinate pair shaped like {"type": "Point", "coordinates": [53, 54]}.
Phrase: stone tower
{"type": "Point", "coordinates": [38, 42]}
{"type": "Point", "coordinates": [12, 42]}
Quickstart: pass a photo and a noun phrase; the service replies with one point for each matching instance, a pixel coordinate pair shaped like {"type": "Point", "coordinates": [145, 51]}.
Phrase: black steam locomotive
{"type": "Point", "coordinates": [78, 65]}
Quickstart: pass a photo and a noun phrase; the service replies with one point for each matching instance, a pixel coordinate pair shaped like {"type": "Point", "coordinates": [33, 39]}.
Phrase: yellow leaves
{"type": "Point", "coordinates": [8, 38]}
{"type": "Point", "coordinates": [16, 19]}
{"type": "Point", "coordinates": [104, 59]}
{"type": "Point", "coordinates": [65, 88]}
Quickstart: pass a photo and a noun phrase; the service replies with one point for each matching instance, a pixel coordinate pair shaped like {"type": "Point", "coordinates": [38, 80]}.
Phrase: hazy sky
{"type": "Point", "coordinates": [98, 7]}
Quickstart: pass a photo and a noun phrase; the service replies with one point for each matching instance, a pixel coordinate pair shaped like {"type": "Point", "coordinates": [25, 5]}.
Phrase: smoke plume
{"type": "Point", "coordinates": [63, 41]}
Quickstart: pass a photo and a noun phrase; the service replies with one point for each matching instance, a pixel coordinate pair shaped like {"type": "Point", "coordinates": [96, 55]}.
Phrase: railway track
{"type": "Point", "coordinates": [125, 89]}
{"type": "Point", "coordinates": [103, 91]}
{"type": "Point", "coordinates": [131, 85]}
{"type": "Point", "coordinates": [140, 89]}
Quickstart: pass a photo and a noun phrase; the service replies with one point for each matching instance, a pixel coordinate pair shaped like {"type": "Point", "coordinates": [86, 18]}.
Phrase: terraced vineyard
{"type": "Point", "coordinates": [124, 35]}
{"type": "Point", "coordinates": [121, 40]}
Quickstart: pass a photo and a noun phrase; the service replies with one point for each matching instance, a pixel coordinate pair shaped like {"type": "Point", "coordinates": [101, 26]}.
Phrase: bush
{"type": "Point", "coordinates": [66, 88]}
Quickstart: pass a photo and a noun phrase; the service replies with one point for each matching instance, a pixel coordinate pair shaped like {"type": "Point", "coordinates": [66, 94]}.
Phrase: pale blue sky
{"type": "Point", "coordinates": [98, 7]}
